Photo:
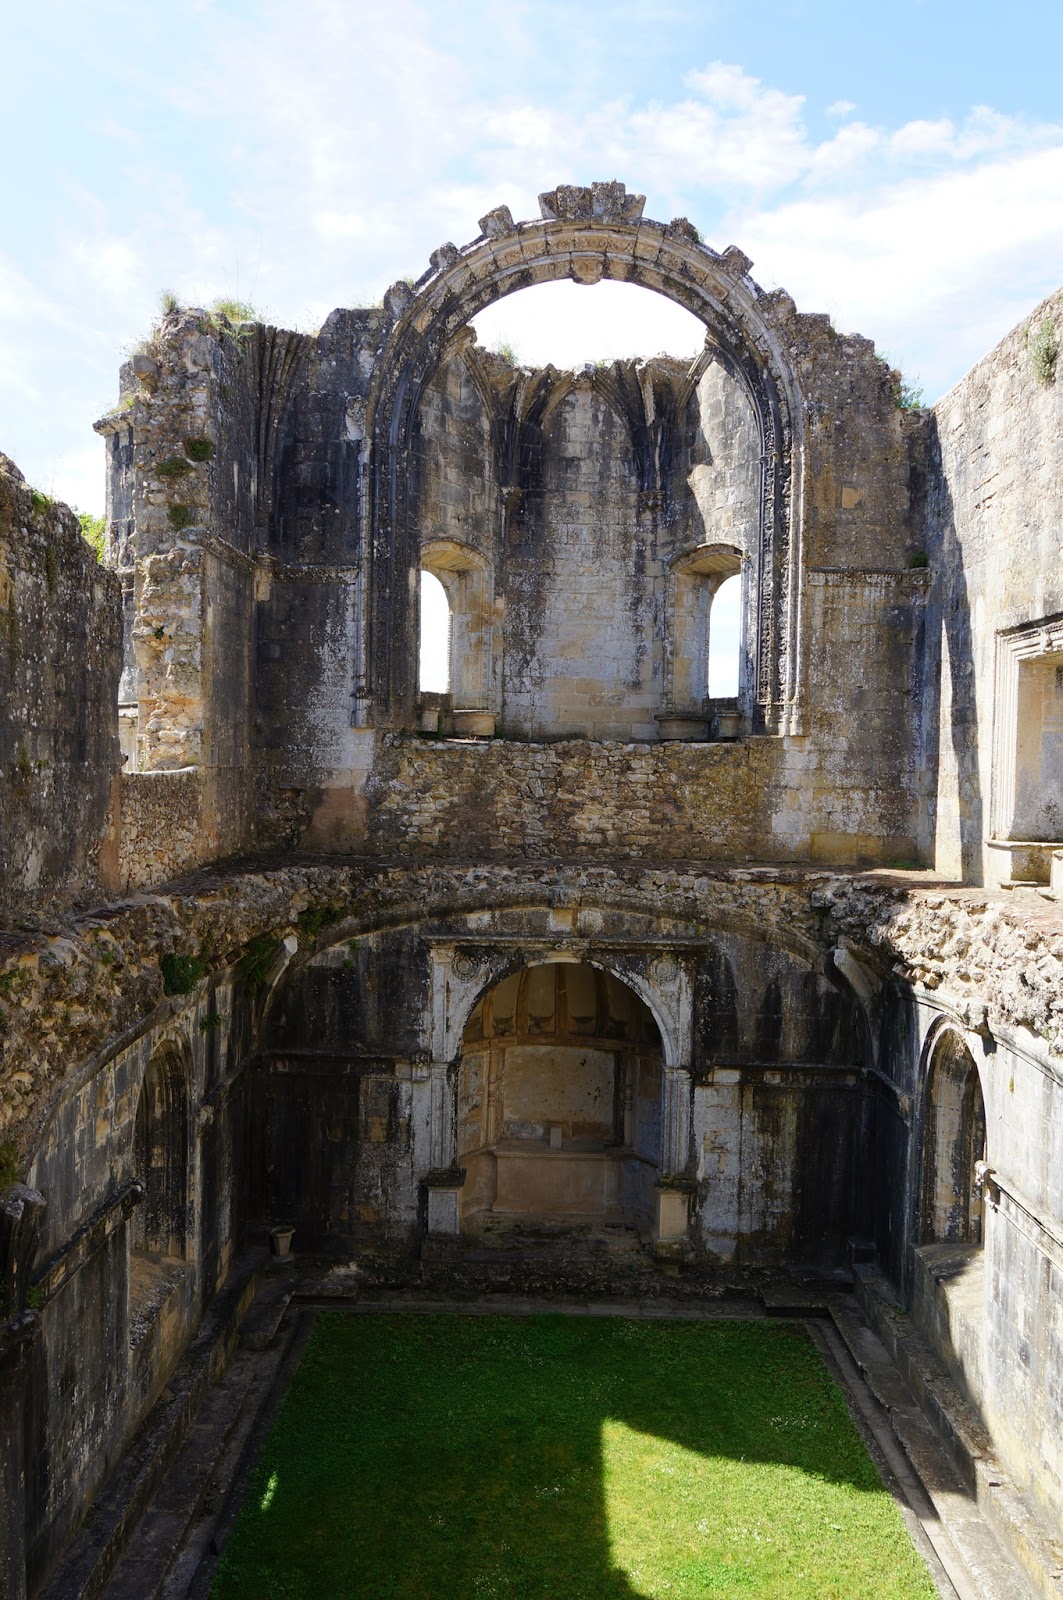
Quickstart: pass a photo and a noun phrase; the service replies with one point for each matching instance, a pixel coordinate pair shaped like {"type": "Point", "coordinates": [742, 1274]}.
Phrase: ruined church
{"type": "Point", "coordinates": [577, 971]}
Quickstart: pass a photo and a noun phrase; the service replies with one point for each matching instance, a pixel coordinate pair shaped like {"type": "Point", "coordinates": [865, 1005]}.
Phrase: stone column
{"type": "Point", "coordinates": [674, 1186]}
{"type": "Point", "coordinates": [675, 1121]}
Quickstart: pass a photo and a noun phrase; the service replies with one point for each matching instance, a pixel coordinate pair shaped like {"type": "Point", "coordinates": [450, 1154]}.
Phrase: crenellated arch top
{"type": "Point", "coordinates": [584, 235]}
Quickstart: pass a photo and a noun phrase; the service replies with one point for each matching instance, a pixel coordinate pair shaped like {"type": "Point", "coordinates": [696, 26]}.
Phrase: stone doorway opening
{"type": "Point", "coordinates": [559, 1105]}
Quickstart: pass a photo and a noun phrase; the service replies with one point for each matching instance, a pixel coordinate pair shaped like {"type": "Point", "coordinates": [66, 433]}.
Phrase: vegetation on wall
{"type": "Point", "coordinates": [93, 531]}
{"type": "Point", "coordinates": [257, 959]}
{"type": "Point", "coordinates": [1042, 346]}
{"type": "Point", "coordinates": [181, 973]}
{"type": "Point", "coordinates": [9, 1173]}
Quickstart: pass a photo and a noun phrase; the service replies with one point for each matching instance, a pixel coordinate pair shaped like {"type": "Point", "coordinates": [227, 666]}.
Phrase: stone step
{"type": "Point", "coordinates": [99, 1544]}
{"type": "Point", "coordinates": [978, 1567]}
{"type": "Point", "coordinates": [262, 1323]}
{"type": "Point", "coordinates": [163, 1555]}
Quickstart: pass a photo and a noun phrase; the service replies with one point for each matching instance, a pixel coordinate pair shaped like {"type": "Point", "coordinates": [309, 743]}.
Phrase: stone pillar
{"type": "Point", "coordinates": [675, 1121]}
{"type": "Point", "coordinates": [674, 1187]}
{"type": "Point", "coordinates": [673, 1211]}
{"type": "Point", "coordinates": [441, 1115]}
{"type": "Point", "coordinates": [444, 1221]}
{"type": "Point", "coordinates": [446, 1178]}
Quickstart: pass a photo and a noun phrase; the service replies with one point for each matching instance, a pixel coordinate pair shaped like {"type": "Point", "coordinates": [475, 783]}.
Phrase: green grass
{"type": "Point", "coordinates": [569, 1458]}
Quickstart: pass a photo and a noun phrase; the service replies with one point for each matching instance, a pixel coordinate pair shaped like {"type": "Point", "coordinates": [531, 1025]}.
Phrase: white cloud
{"type": "Point", "coordinates": [275, 165]}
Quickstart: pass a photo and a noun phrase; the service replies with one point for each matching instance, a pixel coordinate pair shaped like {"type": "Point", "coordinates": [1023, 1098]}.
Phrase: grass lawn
{"type": "Point", "coordinates": [574, 1458]}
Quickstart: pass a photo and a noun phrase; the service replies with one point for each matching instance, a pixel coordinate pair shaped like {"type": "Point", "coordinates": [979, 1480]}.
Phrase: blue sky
{"type": "Point", "coordinates": [899, 165]}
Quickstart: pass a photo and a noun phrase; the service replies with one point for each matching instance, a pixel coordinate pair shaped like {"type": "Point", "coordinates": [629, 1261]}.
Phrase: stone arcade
{"type": "Point", "coordinates": [572, 951]}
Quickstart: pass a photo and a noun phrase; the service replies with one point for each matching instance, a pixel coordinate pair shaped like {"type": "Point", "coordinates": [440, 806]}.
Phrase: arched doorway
{"type": "Point", "coordinates": [559, 1104]}
{"type": "Point", "coordinates": [954, 1145]}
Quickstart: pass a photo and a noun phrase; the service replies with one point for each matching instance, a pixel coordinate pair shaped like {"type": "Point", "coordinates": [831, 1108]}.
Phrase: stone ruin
{"type": "Point", "coordinates": [759, 984]}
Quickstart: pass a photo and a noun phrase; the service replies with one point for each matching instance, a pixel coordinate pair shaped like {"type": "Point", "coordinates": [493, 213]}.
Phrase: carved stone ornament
{"type": "Point", "coordinates": [599, 202]}
{"type": "Point", "coordinates": [497, 223]}
{"type": "Point", "coordinates": [465, 966]}
{"type": "Point", "coordinates": [444, 257]}
{"type": "Point", "coordinates": [735, 261]}
{"type": "Point", "coordinates": [665, 971]}
{"type": "Point", "coordinates": [398, 299]}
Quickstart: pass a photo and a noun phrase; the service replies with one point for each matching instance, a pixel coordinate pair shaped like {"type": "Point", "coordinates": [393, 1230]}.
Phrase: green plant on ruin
{"type": "Point", "coordinates": [8, 1164]}
{"type": "Point", "coordinates": [121, 408]}
{"type": "Point", "coordinates": [317, 915]}
{"type": "Point", "coordinates": [209, 1023]}
{"type": "Point", "coordinates": [181, 973]}
{"type": "Point", "coordinates": [1042, 347]}
{"type": "Point", "coordinates": [168, 303]}
{"type": "Point", "coordinates": [172, 467]}
{"type": "Point", "coordinates": [258, 957]}
{"type": "Point", "coordinates": [233, 317]}
{"type": "Point", "coordinates": [505, 352]}
{"type": "Point", "coordinates": [907, 395]}
{"type": "Point", "coordinates": [198, 449]}
{"type": "Point", "coordinates": [918, 559]}
{"type": "Point", "coordinates": [93, 531]}
{"type": "Point", "coordinates": [41, 502]}
{"type": "Point", "coordinates": [178, 517]}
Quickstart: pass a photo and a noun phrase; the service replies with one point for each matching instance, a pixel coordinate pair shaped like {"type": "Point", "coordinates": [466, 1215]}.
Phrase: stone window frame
{"type": "Point", "coordinates": [468, 581]}
{"type": "Point", "coordinates": [694, 578]}
{"type": "Point", "coordinates": [1017, 648]}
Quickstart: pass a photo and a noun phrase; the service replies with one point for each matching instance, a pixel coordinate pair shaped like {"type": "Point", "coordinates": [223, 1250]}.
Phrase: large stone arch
{"type": "Point", "coordinates": [584, 235]}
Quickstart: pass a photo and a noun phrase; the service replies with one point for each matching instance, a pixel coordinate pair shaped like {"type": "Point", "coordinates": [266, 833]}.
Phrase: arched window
{"type": "Point", "coordinates": [725, 639]}
{"type": "Point", "coordinates": [160, 1158]}
{"type": "Point", "coordinates": [705, 635]}
{"type": "Point", "coordinates": [434, 677]}
{"type": "Point", "coordinates": [457, 624]}
{"type": "Point", "coordinates": [954, 1144]}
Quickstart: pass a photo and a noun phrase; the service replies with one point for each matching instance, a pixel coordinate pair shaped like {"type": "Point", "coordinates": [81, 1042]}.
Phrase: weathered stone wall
{"type": "Point", "coordinates": [577, 498]}
{"type": "Point", "coordinates": [114, 1317]}
{"type": "Point", "coordinates": [988, 968]}
{"type": "Point", "coordinates": [994, 510]}
{"type": "Point", "coordinates": [161, 829]}
{"type": "Point", "coordinates": [754, 800]}
{"type": "Point", "coordinates": [183, 490]}
{"type": "Point", "coordinates": [60, 655]}
{"type": "Point", "coordinates": [327, 1113]}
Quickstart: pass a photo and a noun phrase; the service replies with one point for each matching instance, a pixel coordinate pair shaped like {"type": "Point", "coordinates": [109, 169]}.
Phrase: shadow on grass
{"type": "Point", "coordinates": [564, 1457]}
